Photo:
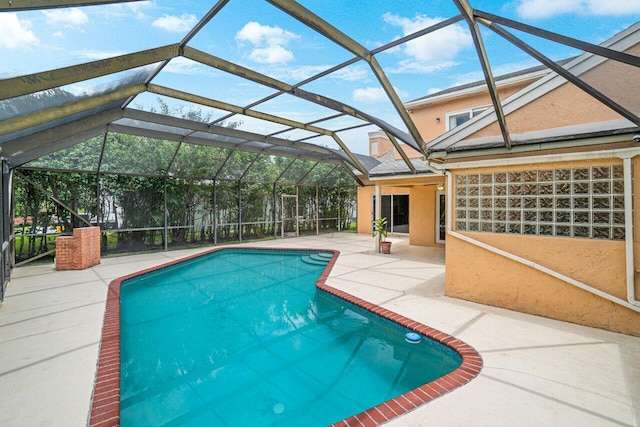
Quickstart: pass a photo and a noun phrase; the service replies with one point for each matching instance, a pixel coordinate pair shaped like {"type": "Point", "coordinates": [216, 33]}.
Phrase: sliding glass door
{"type": "Point", "coordinates": [395, 207]}
{"type": "Point", "coordinates": [441, 217]}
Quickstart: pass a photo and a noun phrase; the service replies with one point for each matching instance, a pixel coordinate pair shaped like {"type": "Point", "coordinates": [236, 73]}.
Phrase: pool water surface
{"type": "Point", "coordinates": [244, 337]}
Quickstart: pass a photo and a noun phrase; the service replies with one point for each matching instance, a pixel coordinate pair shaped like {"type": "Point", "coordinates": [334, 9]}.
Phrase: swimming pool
{"type": "Point", "coordinates": [247, 339]}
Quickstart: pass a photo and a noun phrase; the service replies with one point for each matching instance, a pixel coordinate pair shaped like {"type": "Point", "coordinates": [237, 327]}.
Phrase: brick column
{"type": "Point", "coordinates": [80, 251]}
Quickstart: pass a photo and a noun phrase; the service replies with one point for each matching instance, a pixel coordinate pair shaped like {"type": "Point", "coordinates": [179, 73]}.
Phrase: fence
{"type": "Point", "coordinates": [138, 213]}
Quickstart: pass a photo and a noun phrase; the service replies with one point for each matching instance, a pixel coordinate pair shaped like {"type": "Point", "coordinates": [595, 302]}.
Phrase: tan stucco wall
{"type": "Point", "coordinates": [386, 146]}
{"type": "Point", "coordinates": [365, 197]}
{"type": "Point", "coordinates": [364, 209]}
{"type": "Point", "coordinates": [475, 274]}
{"type": "Point", "coordinates": [568, 105]}
{"type": "Point", "coordinates": [422, 216]}
{"type": "Point", "coordinates": [618, 81]}
{"type": "Point", "coordinates": [425, 116]}
{"type": "Point", "coordinates": [422, 207]}
{"type": "Point", "coordinates": [565, 106]}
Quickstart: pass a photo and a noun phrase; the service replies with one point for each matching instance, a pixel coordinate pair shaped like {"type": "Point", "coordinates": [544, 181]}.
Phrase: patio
{"type": "Point", "coordinates": [536, 371]}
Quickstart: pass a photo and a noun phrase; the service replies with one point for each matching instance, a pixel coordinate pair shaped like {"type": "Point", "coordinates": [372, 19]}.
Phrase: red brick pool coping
{"type": "Point", "coordinates": [105, 405]}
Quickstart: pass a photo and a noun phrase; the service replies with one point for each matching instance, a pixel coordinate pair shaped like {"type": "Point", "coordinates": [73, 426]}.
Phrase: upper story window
{"type": "Point", "coordinates": [374, 148]}
{"type": "Point", "coordinates": [459, 117]}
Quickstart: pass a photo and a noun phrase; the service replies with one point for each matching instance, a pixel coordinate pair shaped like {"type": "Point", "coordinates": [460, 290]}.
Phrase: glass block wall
{"type": "Point", "coordinates": [581, 202]}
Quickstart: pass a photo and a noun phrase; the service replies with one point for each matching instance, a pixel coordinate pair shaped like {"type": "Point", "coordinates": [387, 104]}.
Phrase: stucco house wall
{"type": "Point", "coordinates": [384, 145]}
{"type": "Point", "coordinates": [476, 274]}
{"type": "Point", "coordinates": [430, 117]}
{"type": "Point", "coordinates": [421, 192]}
{"type": "Point", "coordinates": [591, 257]}
{"type": "Point", "coordinates": [568, 106]}
{"type": "Point", "coordinates": [422, 207]}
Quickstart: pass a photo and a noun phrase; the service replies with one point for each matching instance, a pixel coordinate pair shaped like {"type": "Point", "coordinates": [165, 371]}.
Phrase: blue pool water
{"type": "Point", "coordinates": [243, 338]}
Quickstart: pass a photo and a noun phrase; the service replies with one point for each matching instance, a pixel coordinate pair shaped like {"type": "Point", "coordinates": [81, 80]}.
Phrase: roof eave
{"type": "Point", "coordinates": [476, 89]}
{"type": "Point", "coordinates": [496, 148]}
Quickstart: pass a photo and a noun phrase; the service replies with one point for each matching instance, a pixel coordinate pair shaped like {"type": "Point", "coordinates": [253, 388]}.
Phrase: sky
{"type": "Point", "coordinates": [259, 36]}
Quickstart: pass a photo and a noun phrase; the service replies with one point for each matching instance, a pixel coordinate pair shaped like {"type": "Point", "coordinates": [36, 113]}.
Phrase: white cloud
{"type": "Point", "coordinates": [58, 35]}
{"type": "Point", "coordinates": [351, 74]}
{"type": "Point", "coordinates": [128, 10]}
{"type": "Point", "coordinates": [433, 51]}
{"type": "Point", "coordinates": [66, 17]}
{"type": "Point", "coordinates": [138, 8]}
{"type": "Point", "coordinates": [176, 24]}
{"type": "Point", "coordinates": [14, 32]}
{"type": "Point", "coordinates": [80, 89]}
{"type": "Point", "coordinates": [419, 67]}
{"type": "Point", "coordinates": [620, 7]}
{"type": "Point", "coordinates": [271, 55]}
{"type": "Point", "coordinates": [303, 72]}
{"type": "Point", "coordinates": [295, 74]}
{"type": "Point", "coordinates": [500, 70]}
{"type": "Point", "coordinates": [94, 55]}
{"type": "Point", "coordinates": [369, 94]}
{"type": "Point", "coordinates": [259, 34]}
{"type": "Point", "coordinates": [374, 94]}
{"type": "Point", "coordinates": [538, 9]}
{"type": "Point", "coordinates": [269, 43]}
{"type": "Point", "coordinates": [181, 65]}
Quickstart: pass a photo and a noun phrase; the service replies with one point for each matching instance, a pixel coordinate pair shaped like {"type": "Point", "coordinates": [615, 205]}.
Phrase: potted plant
{"type": "Point", "coordinates": [380, 229]}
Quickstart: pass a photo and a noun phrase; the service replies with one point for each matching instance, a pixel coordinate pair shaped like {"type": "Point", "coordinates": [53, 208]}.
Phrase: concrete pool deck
{"type": "Point", "coordinates": [536, 371]}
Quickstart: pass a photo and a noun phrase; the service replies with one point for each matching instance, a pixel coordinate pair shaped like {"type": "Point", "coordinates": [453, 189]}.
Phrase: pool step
{"type": "Point", "coordinates": [310, 259]}
{"type": "Point", "coordinates": [319, 257]}
{"type": "Point", "coordinates": [325, 255]}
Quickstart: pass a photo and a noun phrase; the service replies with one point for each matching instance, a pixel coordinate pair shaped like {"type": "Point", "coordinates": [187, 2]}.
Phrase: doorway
{"type": "Point", "coordinates": [441, 217]}
{"type": "Point", "coordinates": [395, 207]}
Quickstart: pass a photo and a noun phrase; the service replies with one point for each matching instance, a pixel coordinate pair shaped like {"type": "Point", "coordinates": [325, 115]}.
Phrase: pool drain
{"type": "Point", "coordinates": [278, 408]}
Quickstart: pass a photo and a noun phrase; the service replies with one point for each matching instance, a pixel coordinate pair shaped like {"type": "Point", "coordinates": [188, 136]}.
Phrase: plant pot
{"type": "Point", "coordinates": [385, 247]}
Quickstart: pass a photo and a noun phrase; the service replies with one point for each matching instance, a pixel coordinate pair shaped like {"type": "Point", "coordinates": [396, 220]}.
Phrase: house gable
{"type": "Point", "coordinates": [552, 102]}
{"type": "Point", "coordinates": [567, 105]}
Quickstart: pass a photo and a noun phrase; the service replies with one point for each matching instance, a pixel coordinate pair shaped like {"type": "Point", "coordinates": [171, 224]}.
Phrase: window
{"type": "Point", "coordinates": [580, 202]}
{"type": "Point", "coordinates": [374, 148]}
{"type": "Point", "coordinates": [459, 117]}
